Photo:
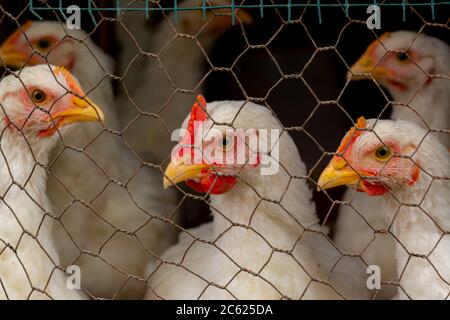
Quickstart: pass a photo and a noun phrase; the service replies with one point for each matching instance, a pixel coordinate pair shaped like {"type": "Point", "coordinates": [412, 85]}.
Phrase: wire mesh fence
{"type": "Point", "coordinates": [218, 99]}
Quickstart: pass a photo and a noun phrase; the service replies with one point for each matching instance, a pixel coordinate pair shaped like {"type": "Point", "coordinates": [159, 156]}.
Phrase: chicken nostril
{"type": "Point", "coordinates": [340, 164]}
{"type": "Point", "coordinates": [340, 167]}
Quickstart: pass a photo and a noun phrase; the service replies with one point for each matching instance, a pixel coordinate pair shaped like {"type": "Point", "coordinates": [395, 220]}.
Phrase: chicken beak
{"type": "Point", "coordinates": [178, 172]}
{"type": "Point", "coordinates": [337, 173]}
{"type": "Point", "coordinates": [365, 68]}
{"type": "Point", "coordinates": [11, 57]}
{"type": "Point", "coordinates": [81, 110]}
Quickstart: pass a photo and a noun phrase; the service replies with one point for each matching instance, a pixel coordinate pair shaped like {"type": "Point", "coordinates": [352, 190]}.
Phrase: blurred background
{"type": "Point", "coordinates": [297, 69]}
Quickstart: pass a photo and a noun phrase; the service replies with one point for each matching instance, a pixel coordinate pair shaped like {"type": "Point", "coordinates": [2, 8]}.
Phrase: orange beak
{"type": "Point", "coordinates": [338, 173]}
{"type": "Point", "coordinates": [80, 110]}
{"type": "Point", "coordinates": [179, 172]}
{"type": "Point", "coordinates": [9, 54]}
{"type": "Point", "coordinates": [11, 57]}
{"type": "Point", "coordinates": [367, 66]}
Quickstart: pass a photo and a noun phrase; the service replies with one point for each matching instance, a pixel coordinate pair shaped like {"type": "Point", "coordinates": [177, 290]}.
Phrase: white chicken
{"type": "Point", "coordinates": [265, 241]}
{"type": "Point", "coordinates": [414, 68]}
{"type": "Point", "coordinates": [36, 103]}
{"type": "Point", "coordinates": [159, 87]}
{"type": "Point", "coordinates": [111, 209]}
{"type": "Point", "coordinates": [409, 169]}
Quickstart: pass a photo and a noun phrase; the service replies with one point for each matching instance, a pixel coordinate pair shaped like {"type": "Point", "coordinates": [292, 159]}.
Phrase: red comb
{"type": "Point", "coordinates": [351, 136]}
{"type": "Point", "coordinates": [198, 113]}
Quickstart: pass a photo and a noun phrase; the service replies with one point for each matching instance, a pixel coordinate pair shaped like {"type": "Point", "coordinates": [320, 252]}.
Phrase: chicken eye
{"type": "Point", "coordinates": [401, 56]}
{"type": "Point", "coordinates": [225, 142]}
{"type": "Point", "coordinates": [43, 44]}
{"type": "Point", "coordinates": [383, 153]}
{"type": "Point", "coordinates": [38, 96]}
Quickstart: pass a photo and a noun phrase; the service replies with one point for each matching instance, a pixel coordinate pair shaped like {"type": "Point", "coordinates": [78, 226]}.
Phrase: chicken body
{"type": "Point", "coordinates": [28, 258]}
{"type": "Point", "coordinates": [413, 186]}
{"type": "Point", "coordinates": [418, 99]}
{"type": "Point", "coordinates": [133, 203]}
{"type": "Point", "coordinates": [265, 241]}
{"type": "Point", "coordinates": [29, 263]}
{"type": "Point", "coordinates": [111, 209]}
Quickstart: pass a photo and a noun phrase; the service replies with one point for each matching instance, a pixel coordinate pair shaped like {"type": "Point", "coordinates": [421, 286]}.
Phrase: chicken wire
{"type": "Point", "coordinates": [286, 14]}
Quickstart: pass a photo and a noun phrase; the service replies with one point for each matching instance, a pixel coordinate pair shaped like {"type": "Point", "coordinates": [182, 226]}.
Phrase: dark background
{"type": "Point", "coordinates": [316, 127]}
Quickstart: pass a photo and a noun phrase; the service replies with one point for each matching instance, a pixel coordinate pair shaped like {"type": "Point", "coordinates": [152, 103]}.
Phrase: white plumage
{"type": "Point", "coordinates": [415, 205]}
{"type": "Point", "coordinates": [418, 99]}
{"type": "Point", "coordinates": [29, 263]}
{"type": "Point", "coordinates": [265, 241]}
{"type": "Point", "coordinates": [112, 207]}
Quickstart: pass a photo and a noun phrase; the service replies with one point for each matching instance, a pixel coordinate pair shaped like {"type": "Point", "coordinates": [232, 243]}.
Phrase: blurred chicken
{"type": "Point", "coordinates": [265, 241]}
{"type": "Point", "coordinates": [409, 169]}
{"type": "Point", "coordinates": [162, 84]}
{"type": "Point", "coordinates": [36, 103]}
{"type": "Point", "coordinates": [409, 66]}
{"type": "Point", "coordinates": [111, 208]}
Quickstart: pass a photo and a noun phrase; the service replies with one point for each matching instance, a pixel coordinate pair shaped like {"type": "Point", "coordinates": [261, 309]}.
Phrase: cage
{"type": "Point", "coordinates": [89, 217]}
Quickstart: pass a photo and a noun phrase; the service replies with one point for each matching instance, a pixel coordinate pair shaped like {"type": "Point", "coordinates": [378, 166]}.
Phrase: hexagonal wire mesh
{"type": "Point", "coordinates": [130, 238]}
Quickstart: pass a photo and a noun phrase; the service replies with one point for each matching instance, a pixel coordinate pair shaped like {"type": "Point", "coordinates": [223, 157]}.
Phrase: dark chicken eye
{"type": "Point", "coordinates": [38, 96]}
{"type": "Point", "coordinates": [383, 153]}
{"type": "Point", "coordinates": [401, 56]}
{"type": "Point", "coordinates": [43, 44]}
{"type": "Point", "coordinates": [225, 142]}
